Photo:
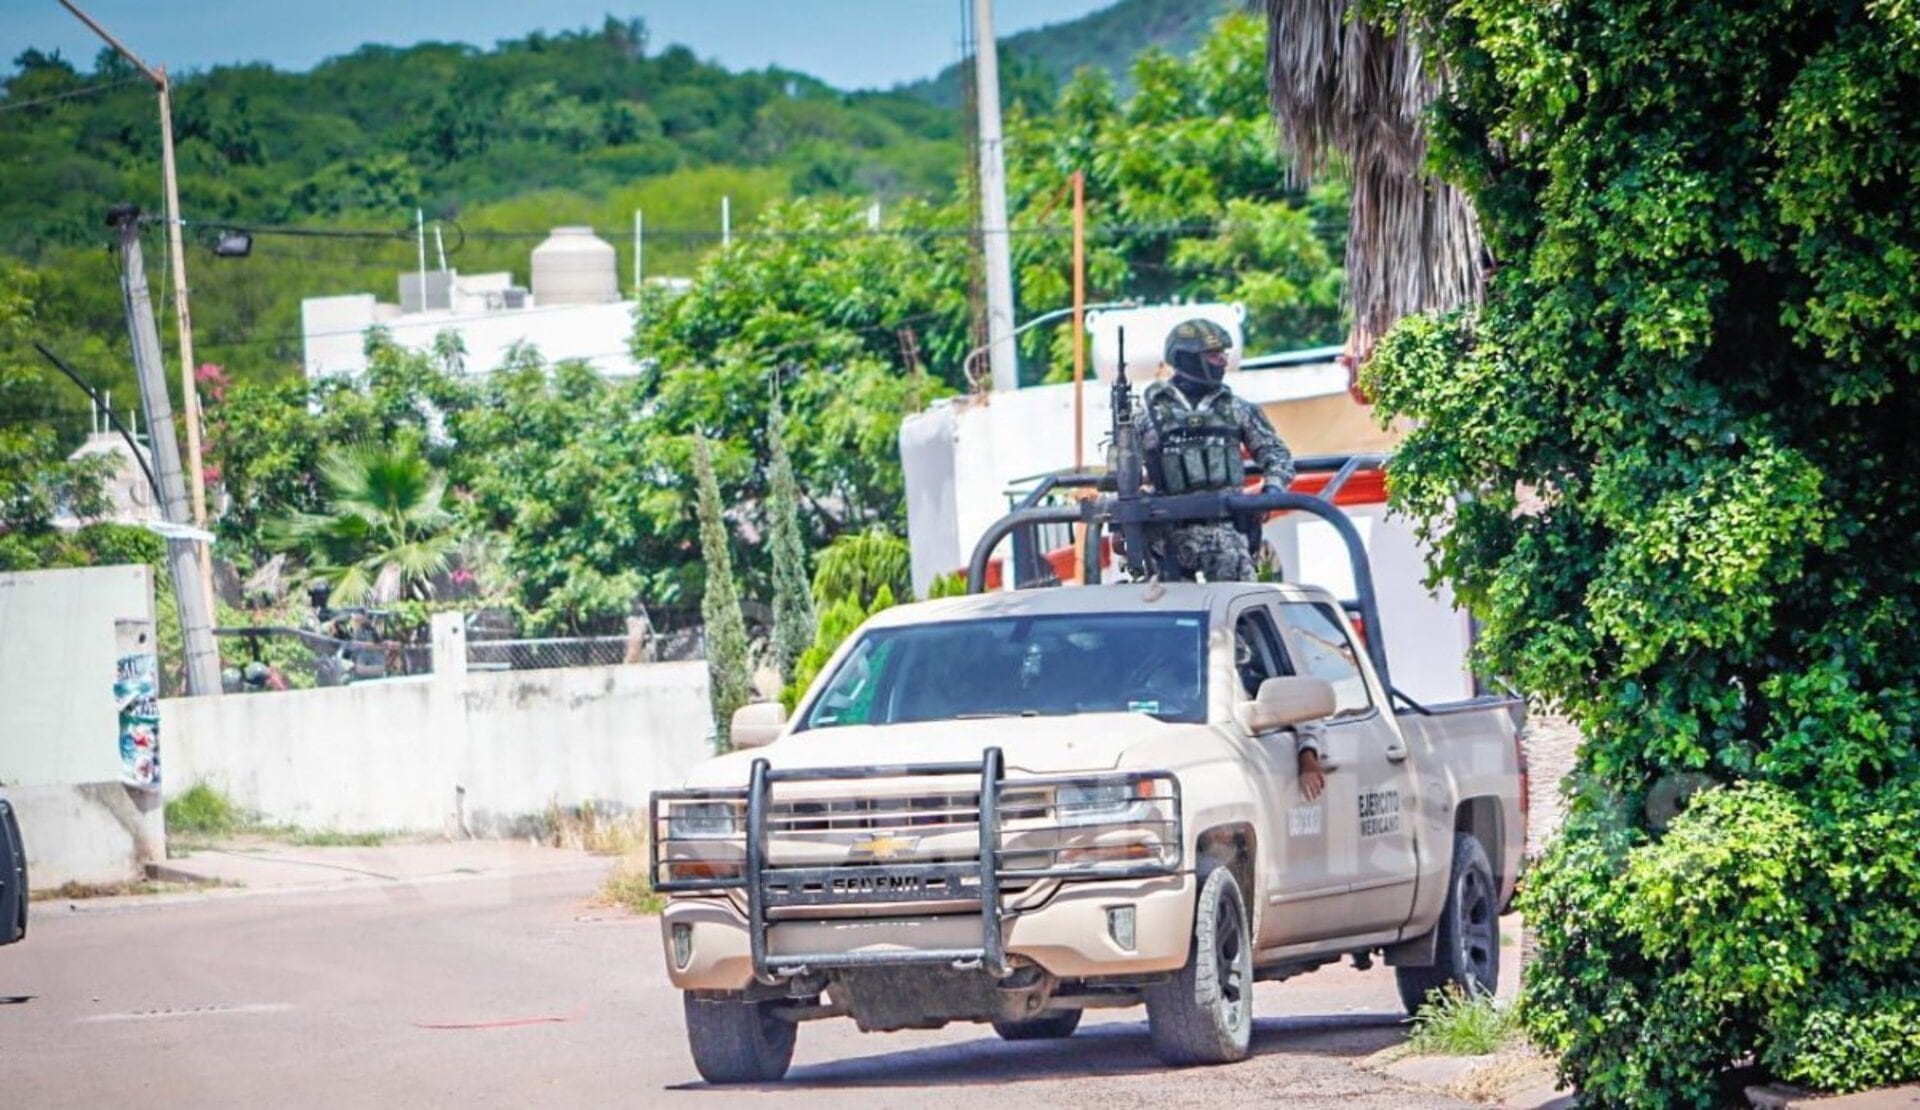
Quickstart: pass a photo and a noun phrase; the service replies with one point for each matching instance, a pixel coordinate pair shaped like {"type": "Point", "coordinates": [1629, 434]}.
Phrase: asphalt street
{"type": "Point", "coordinates": [515, 990]}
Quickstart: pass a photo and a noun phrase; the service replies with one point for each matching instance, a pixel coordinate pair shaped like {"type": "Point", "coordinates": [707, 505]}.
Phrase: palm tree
{"type": "Point", "coordinates": [1347, 90]}
{"type": "Point", "coordinates": [387, 531]}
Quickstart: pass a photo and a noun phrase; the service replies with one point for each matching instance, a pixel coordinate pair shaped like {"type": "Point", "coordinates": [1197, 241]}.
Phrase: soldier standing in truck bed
{"type": "Point", "coordinates": [1191, 431]}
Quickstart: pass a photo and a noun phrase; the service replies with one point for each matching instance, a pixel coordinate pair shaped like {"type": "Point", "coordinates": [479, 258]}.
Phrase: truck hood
{"type": "Point", "coordinates": [1032, 745]}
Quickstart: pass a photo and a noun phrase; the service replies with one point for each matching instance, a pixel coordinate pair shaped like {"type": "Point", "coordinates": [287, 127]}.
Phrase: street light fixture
{"type": "Point", "coordinates": [231, 242]}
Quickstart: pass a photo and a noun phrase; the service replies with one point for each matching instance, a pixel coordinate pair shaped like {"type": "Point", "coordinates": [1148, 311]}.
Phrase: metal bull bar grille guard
{"type": "Point", "coordinates": [979, 879]}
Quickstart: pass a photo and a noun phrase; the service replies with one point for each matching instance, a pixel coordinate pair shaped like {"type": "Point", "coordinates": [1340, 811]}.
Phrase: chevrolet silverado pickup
{"type": "Point", "coordinates": [1014, 807]}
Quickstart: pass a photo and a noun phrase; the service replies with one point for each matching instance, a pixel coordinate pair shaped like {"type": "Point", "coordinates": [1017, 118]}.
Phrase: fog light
{"type": "Point", "coordinates": [683, 944]}
{"type": "Point", "coordinates": [1120, 926]}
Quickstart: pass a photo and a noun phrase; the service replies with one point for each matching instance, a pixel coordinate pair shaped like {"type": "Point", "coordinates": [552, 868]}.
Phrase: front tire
{"type": "Point", "coordinates": [1467, 951]}
{"type": "Point", "coordinates": [1050, 1026]}
{"type": "Point", "coordinates": [1203, 1014]}
{"type": "Point", "coordinates": [736, 1041]}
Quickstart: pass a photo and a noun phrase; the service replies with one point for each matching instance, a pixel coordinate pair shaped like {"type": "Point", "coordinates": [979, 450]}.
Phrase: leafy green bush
{"type": "Point", "coordinates": [1667, 463]}
{"type": "Point", "coordinates": [203, 810]}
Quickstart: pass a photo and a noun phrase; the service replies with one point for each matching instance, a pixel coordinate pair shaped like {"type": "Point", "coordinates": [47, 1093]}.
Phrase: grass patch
{"type": "Point", "coordinates": [203, 816]}
{"type": "Point", "coordinates": [602, 832]}
{"type": "Point", "coordinates": [629, 885]}
{"type": "Point", "coordinates": [73, 892]}
{"type": "Point", "coordinates": [203, 811]}
{"type": "Point", "coordinates": [325, 838]}
{"type": "Point", "coordinates": [1456, 1024]}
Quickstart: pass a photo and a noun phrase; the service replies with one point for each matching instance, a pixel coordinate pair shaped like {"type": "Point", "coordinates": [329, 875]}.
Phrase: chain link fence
{"type": "Point", "coordinates": [640, 644]}
{"type": "Point", "coordinates": [281, 657]}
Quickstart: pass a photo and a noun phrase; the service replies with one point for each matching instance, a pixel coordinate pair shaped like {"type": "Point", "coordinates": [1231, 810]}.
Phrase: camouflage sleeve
{"type": "Point", "coordinates": [1310, 736]}
{"type": "Point", "coordinates": [1149, 436]}
{"type": "Point", "coordinates": [1265, 445]}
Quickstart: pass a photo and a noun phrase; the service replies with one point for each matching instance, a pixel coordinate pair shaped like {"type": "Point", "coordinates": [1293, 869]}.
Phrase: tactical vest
{"type": "Point", "coordinates": [1199, 447]}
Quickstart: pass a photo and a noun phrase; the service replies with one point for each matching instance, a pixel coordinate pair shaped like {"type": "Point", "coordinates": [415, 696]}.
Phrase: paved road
{"type": "Point", "coordinates": [515, 991]}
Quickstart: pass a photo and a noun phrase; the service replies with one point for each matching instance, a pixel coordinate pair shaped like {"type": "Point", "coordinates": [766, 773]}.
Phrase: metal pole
{"type": "Point", "coordinates": [1079, 320]}
{"type": "Point", "coordinates": [726, 221]}
{"type": "Point", "coordinates": [189, 385]}
{"type": "Point", "coordinates": [189, 389]}
{"type": "Point", "coordinates": [184, 557]}
{"type": "Point", "coordinates": [420, 237]}
{"type": "Point", "coordinates": [1001, 353]}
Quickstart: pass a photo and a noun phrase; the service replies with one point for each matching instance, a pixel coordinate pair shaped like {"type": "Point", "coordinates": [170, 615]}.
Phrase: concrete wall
{"type": "Point", "coordinates": [490, 749]}
{"type": "Point", "coordinates": [60, 728]}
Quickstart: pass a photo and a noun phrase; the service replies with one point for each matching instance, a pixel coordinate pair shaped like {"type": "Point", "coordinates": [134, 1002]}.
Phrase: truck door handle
{"type": "Point", "coordinates": [1397, 753]}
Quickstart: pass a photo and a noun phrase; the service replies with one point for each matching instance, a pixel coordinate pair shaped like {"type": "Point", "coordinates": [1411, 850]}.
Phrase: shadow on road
{"type": "Point", "coordinates": [1110, 1048]}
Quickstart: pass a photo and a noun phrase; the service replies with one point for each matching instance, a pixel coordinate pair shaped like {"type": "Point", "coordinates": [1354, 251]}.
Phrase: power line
{"type": "Point", "coordinates": [1200, 227]}
{"type": "Point", "coordinates": [90, 90]}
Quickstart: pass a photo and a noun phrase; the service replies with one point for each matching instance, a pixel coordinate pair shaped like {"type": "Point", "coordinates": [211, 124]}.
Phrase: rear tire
{"type": "Point", "coordinates": [1049, 1026]}
{"type": "Point", "coordinates": [735, 1041]}
{"type": "Point", "coordinates": [1467, 951]}
{"type": "Point", "coordinates": [1203, 1014]}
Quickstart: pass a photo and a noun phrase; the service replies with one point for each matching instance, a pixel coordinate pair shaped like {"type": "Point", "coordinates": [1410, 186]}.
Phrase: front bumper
{"type": "Point", "coordinates": [1068, 935]}
{"type": "Point", "coordinates": [959, 906]}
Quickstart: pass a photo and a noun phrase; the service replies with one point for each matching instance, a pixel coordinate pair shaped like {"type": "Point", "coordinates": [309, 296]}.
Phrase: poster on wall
{"type": "Point", "coordinates": [136, 690]}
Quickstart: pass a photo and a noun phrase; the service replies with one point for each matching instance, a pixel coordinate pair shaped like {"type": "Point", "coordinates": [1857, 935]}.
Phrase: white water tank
{"type": "Point", "coordinates": [1147, 329]}
{"type": "Point", "coordinates": [575, 266]}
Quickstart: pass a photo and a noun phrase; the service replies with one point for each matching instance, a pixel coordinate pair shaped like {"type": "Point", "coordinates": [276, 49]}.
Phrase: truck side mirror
{"type": "Point", "coordinates": [756, 725]}
{"type": "Point", "coordinates": [1284, 702]}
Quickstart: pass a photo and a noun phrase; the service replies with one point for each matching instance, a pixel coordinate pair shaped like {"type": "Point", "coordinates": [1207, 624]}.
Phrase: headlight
{"type": "Point", "coordinates": [702, 821]}
{"type": "Point", "coordinates": [1101, 804]}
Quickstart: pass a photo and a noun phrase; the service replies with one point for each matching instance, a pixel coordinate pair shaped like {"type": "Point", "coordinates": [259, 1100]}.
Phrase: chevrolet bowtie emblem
{"type": "Point", "coordinates": [885, 847]}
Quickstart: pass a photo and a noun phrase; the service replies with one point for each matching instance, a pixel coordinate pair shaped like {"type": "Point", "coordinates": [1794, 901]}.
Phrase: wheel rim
{"type": "Point", "coordinates": [1232, 962]}
{"type": "Point", "coordinates": [1479, 929]}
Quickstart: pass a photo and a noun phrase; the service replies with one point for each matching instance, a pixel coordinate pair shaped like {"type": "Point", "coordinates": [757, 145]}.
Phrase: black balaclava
{"type": "Point", "coordinates": [1198, 373]}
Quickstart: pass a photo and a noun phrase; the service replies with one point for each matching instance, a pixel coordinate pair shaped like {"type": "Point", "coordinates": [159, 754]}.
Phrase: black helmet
{"type": "Point", "coordinates": [1197, 350]}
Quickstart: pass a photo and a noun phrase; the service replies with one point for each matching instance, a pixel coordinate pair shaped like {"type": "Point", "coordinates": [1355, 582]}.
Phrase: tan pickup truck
{"type": "Point", "coordinates": [1014, 807]}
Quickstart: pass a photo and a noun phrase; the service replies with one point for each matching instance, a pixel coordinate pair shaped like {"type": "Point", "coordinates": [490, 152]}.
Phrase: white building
{"type": "Point", "coordinates": [573, 311]}
{"type": "Point", "coordinates": [130, 496]}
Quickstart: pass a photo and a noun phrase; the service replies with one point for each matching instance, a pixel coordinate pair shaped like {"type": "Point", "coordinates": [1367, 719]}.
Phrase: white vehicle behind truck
{"type": "Point", "coordinates": [1015, 807]}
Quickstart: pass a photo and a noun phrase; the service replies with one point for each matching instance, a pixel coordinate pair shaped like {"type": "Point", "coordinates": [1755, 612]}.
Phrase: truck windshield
{"type": "Point", "coordinates": [1052, 665]}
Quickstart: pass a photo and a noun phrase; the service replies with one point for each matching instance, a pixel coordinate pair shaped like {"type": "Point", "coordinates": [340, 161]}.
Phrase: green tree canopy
{"type": "Point", "coordinates": [1669, 464]}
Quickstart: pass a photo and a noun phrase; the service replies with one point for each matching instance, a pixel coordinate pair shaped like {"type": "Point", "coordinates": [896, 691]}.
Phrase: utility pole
{"type": "Point", "coordinates": [184, 556]}
{"type": "Point", "coordinates": [1001, 353]}
{"type": "Point", "coordinates": [1079, 320]}
{"type": "Point", "coordinates": [189, 388]}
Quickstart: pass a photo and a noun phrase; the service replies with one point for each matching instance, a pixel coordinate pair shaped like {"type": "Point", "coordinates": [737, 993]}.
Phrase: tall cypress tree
{"type": "Point", "coordinates": [793, 620]}
{"type": "Point", "coordinates": [728, 674]}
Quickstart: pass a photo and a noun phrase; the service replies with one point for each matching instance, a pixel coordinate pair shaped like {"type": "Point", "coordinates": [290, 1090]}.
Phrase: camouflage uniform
{"type": "Point", "coordinates": [1191, 438]}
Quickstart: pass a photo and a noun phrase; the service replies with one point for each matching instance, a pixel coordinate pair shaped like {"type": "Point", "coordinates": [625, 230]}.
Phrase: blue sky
{"type": "Point", "coordinates": [847, 43]}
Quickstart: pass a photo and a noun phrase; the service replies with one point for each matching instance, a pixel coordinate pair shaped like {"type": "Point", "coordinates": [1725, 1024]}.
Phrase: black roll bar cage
{"type": "Point", "coordinates": [1132, 515]}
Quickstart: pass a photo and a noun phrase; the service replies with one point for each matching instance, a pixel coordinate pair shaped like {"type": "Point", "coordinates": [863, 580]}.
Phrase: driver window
{"type": "Point", "coordinates": [849, 701]}
{"type": "Point", "coordinates": [1325, 652]}
{"type": "Point", "coordinates": [1256, 650]}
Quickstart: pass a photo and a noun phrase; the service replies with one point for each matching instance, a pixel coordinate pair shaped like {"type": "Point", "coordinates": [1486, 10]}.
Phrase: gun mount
{"type": "Point", "coordinates": [1137, 518]}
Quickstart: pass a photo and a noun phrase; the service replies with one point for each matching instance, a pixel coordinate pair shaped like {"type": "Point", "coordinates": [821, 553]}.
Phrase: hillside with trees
{"type": "Point", "coordinates": [568, 499]}
{"type": "Point", "coordinates": [495, 145]}
{"type": "Point", "coordinates": [1036, 63]}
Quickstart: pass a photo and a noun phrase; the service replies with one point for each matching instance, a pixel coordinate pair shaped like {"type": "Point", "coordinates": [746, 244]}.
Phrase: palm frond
{"type": "Point", "coordinates": [1345, 87]}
